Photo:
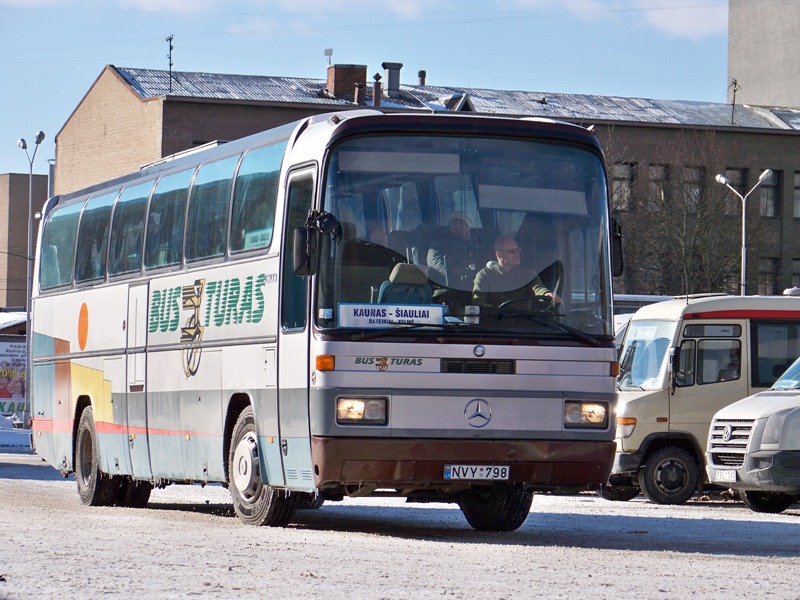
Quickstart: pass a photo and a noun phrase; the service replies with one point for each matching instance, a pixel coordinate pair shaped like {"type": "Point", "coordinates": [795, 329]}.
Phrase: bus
{"type": "Point", "coordinates": [263, 314]}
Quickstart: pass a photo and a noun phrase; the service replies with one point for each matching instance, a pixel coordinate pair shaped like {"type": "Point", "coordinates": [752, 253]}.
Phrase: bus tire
{"type": "Point", "coordinates": [618, 493]}
{"type": "Point", "coordinates": [309, 501]}
{"type": "Point", "coordinates": [94, 487]}
{"type": "Point", "coordinates": [255, 502]}
{"type": "Point", "coordinates": [502, 508]}
{"type": "Point", "coordinates": [766, 502]}
{"type": "Point", "coordinates": [671, 476]}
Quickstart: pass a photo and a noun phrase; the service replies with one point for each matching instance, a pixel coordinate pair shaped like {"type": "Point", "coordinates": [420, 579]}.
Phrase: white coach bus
{"type": "Point", "coordinates": [267, 314]}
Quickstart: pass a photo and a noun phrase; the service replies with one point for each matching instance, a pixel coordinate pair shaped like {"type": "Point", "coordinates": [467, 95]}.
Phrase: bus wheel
{"type": "Point", "coordinates": [497, 508]}
{"type": "Point", "coordinates": [618, 493]}
{"type": "Point", "coordinates": [765, 502]}
{"type": "Point", "coordinates": [94, 488]}
{"type": "Point", "coordinates": [670, 476]}
{"type": "Point", "coordinates": [309, 501]}
{"type": "Point", "coordinates": [255, 502]}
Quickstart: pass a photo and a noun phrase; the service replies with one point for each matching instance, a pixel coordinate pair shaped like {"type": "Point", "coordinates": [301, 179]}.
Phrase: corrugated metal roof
{"type": "Point", "coordinates": [150, 83]}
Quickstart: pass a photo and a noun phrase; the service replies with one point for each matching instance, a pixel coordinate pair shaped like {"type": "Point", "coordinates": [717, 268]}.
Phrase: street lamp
{"type": "Point", "coordinates": [720, 178]}
{"type": "Point", "coordinates": [28, 337]}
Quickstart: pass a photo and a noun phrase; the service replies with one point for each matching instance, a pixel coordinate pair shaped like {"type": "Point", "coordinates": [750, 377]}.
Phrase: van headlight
{"type": "Point", "coordinates": [783, 428]}
{"type": "Point", "coordinates": [585, 414]}
{"type": "Point", "coordinates": [361, 411]}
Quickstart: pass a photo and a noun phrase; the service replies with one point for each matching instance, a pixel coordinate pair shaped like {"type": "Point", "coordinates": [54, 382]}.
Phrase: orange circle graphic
{"type": "Point", "coordinates": [83, 326]}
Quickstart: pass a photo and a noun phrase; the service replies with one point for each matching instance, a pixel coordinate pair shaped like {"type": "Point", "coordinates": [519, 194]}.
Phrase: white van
{"type": "Point", "coordinates": [754, 446]}
{"type": "Point", "coordinates": [680, 362]}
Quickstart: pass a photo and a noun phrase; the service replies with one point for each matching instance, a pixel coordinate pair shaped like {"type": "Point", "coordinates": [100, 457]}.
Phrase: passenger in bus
{"type": "Point", "coordinates": [506, 280]}
{"type": "Point", "coordinates": [731, 370]}
{"type": "Point", "coordinates": [451, 259]}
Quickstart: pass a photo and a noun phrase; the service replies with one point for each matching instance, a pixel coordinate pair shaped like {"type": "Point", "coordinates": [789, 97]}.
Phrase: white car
{"type": "Point", "coordinates": [754, 446]}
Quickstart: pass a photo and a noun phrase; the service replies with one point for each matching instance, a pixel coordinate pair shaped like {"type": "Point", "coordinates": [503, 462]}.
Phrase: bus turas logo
{"type": "Point", "coordinates": [227, 302]}
{"type": "Point", "coordinates": [382, 363]}
{"type": "Point", "coordinates": [192, 331]}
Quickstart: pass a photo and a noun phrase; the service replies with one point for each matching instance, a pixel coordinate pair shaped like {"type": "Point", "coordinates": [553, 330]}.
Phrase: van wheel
{"type": "Point", "coordinates": [255, 502]}
{"type": "Point", "coordinates": [618, 493]}
{"type": "Point", "coordinates": [670, 476]}
{"type": "Point", "coordinates": [94, 488]}
{"type": "Point", "coordinates": [496, 509]}
{"type": "Point", "coordinates": [765, 502]}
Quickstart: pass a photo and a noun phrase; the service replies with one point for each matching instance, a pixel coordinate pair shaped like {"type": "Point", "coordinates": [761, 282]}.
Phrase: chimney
{"type": "Point", "coordinates": [422, 75]}
{"type": "Point", "coordinates": [392, 78]}
{"type": "Point", "coordinates": [361, 93]}
{"type": "Point", "coordinates": [376, 90]}
{"type": "Point", "coordinates": [343, 78]}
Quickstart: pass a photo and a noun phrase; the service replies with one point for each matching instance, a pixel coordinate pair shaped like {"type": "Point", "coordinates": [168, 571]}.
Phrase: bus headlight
{"type": "Point", "coordinates": [585, 414]}
{"type": "Point", "coordinates": [361, 411]}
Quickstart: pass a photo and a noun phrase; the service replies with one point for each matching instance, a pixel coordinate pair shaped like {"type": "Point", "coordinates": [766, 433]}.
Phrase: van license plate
{"type": "Point", "coordinates": [727, 475]}
{"type": "Point", "coordinates": [485, 472]}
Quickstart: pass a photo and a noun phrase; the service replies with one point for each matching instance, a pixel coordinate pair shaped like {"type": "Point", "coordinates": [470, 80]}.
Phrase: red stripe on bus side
{"type": "Point", "coordinates": [65, 426]}
{"type": "Point", "coordinates": [745, 314]}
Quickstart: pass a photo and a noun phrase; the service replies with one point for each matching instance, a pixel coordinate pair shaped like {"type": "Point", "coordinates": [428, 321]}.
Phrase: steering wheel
{"type": "Point", "coordinates": [538, 304]}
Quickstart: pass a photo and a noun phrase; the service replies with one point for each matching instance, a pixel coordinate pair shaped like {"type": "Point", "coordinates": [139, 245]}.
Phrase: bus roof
{"type": "Point", "coordinates": [722, 307]}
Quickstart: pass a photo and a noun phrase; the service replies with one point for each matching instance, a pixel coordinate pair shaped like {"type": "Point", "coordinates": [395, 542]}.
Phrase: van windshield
{"type": "Point", "coordinates": [643, 355]}
{"type": "Point", "coordinates": [790, 380]}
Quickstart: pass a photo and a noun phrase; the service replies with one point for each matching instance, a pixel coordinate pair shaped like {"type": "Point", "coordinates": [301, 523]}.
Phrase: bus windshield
{"type": "Point", "coordinates": [643, 355]}
{"type": "Point", "coordinates": [497, 236]}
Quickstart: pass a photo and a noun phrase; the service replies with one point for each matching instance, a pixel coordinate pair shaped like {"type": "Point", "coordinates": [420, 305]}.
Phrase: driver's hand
{"type": "Point", "coordinates": [554, 297]}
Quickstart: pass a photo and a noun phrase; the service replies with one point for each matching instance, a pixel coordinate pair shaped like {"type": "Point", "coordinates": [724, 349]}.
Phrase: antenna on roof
{"type": "Point", "coordinates": [170, 37]}
{"type": "Point", "coordinates": [329, 53]}
{"type": "Point", "coordinates": [735, 85]}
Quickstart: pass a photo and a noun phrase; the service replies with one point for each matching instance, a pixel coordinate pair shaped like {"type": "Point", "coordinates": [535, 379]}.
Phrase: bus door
{"type": "Point", "coordinates": [293, 345]}
{"type": "Point", "coordinates": [136, 385]}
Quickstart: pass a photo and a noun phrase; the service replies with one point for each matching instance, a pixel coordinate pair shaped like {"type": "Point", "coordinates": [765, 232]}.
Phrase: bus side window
{"type": "Point", "coordinates": [127, 227]}
{"type": "Point", "coordinates": [685, 374]}
{"type": "Point", "coordinates": [165, 220]}
{"type": "Point", "coordinates": [58, 245]}
{"type": "Point", "coordinates": [208, 209]}
{"type": "Point", "coordinates": [92, 249]}
{"type": "Point", "coordinates": [254, 198]}
{"type": "Point", "coordinates": [293, 290]}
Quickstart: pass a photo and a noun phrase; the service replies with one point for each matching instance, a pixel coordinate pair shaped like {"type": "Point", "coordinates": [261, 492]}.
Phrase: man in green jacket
{"type": "Point", "coordinates": [507, 280]}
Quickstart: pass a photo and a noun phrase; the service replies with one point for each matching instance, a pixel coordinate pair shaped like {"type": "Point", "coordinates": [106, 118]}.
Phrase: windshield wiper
{"type": "Point", "coordinates": [551, 323]}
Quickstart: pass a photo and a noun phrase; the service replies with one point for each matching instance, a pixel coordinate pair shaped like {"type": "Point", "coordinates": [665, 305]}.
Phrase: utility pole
{"type": "Point", "coordinates": [170, 37]}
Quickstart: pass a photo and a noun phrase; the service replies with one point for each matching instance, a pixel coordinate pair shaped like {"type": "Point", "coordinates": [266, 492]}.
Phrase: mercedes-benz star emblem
{"type": "Point", "coordinates": [479, 350]}
{"type": "Point", "coordinates": [478, 413]}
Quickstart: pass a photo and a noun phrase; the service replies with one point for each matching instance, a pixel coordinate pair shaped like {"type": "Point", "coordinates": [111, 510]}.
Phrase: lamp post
{"type": "Point", "coordinates": [29, 255]}
{"type": "Point", "coordinates": [720, 178]}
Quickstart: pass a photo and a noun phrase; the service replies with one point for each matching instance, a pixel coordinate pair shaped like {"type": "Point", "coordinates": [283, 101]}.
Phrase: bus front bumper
{"type": "Point", "coordinates": [420, 463]}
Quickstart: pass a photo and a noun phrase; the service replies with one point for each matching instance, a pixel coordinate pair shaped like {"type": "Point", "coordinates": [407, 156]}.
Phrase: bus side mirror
{"type": "Point", "coordinates": [617, 263]}
{"type": "Point", "coordinates": [674, 367]}
{"type": "Point", "coordinates": [304, 251]}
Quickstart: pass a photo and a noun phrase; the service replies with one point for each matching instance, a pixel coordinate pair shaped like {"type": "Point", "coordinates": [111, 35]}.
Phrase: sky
{"type": "Point", "coordinates": [52, 51]}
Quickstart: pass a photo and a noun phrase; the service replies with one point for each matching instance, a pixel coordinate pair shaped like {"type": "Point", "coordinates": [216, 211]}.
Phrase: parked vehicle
{"type": "Point", "coordinates": [754, 446]}
{"type": "Point", "coordinates": [680, 362]}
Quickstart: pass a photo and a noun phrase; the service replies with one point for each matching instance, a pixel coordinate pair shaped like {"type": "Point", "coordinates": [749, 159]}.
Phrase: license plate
{"type": "Point", "coordinates": [484, 472]}
{"type": "Point", "coordinates": [727, 475]}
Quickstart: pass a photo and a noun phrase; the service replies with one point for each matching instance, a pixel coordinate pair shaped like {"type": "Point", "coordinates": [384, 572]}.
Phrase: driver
{"type": "Point", "coordinates": [506, 280]}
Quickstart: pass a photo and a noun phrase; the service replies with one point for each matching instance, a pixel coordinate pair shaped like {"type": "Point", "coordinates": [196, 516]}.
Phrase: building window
{"type": "Point", "coordinates": [622, 175]}
{"type": "Point", "coordinates": [658, 176]}
{"type": "Point", "coordinates": [768, 272]}
{"type": "Point", "coordinates": [692, 187]}
{"type": "Point", "coordinates": [736, 179]}
{"type": "Point", "coordinates": [797, 195]}
{"type": "Point", "coordinates": [770, 206]}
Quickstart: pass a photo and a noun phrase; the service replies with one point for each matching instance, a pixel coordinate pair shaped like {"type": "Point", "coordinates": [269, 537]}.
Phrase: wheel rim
{"type": "Point", "coordinates": [246, 469]}
{"type": "Point", "coordinates": [670, 476]}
